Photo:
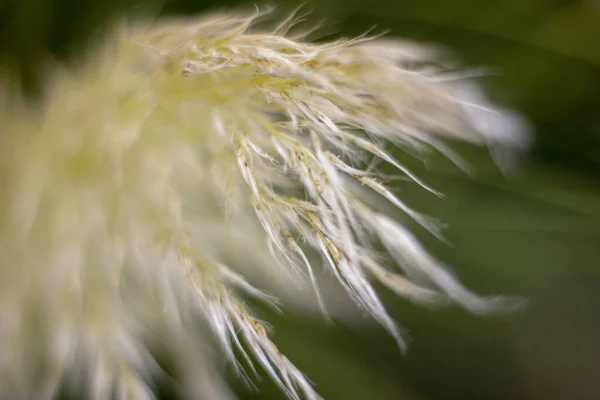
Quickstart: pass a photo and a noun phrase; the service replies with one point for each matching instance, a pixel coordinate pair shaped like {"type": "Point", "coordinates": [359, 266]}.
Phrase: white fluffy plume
{"type": "Point", "coordinates": [122, 192]}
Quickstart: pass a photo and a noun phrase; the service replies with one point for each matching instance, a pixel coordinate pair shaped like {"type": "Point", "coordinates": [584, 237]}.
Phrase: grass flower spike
{"type": "Point", "coordinates": [123, 192]}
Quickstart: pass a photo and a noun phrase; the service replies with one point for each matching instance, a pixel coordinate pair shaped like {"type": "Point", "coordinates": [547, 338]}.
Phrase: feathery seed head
{"type": "Point", "coordinates": [123, 194]}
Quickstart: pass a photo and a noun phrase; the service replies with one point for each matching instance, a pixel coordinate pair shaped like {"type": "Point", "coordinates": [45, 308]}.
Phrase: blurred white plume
{"type": "Point", "coordinates": [123, 194]}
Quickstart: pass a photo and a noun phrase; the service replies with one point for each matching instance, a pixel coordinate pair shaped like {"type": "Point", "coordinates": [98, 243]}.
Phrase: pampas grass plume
{"type": "Point", "coordinates": [124, 189]}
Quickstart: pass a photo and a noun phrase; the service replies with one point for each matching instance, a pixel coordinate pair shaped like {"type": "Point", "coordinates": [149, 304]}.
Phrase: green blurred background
{"type": "Point", "coordinates": [534, 233]}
